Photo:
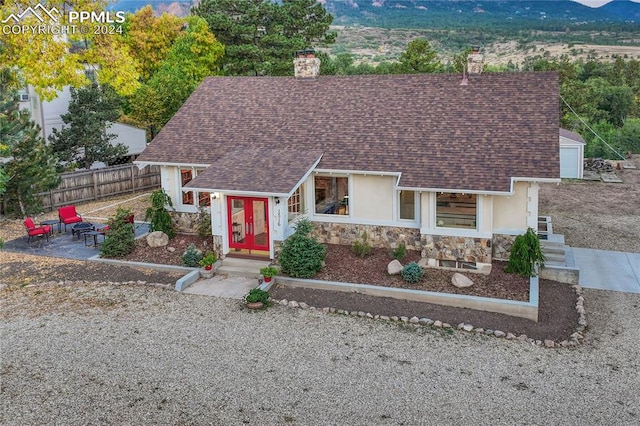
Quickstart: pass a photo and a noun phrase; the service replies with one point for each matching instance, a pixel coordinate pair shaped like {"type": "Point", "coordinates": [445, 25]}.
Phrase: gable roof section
{"type": "Point", "coordinates": [567, 134]}
{"type": "Point", "coordinates": [263, 174]}
{"type": "Point", "coordinates": [429, 128]}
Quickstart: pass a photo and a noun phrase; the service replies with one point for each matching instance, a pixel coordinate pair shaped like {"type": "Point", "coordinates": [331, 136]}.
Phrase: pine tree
{"type": "Point", "coordinates": [83, 138]}
{"type": "Point", "coordinates": [31, 167]}
{"type": "Point", "coordinates": [260, 37]}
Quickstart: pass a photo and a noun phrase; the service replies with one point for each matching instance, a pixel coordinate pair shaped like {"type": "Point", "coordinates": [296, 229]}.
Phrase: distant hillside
{"type": "Point", "coordinates": [625, 9]}
{"type": "Point", "coordinates": [465, 13]}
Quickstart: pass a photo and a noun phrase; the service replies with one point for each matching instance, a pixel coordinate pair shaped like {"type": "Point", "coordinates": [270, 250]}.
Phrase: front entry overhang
{"type": "Point", "coordinates": [257, 172]}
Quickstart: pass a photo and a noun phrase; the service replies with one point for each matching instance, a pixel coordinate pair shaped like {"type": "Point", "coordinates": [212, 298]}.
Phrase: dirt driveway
{"type": "Point", "coordinates": [596, 215]}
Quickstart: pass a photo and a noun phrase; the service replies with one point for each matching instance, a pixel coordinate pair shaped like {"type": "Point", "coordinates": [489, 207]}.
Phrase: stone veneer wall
{"type": "Point", "coordinates": [377, 236]}
{"type": "Point", "coordinates": [456, 248]}
{"type": "Point", "coordinates": [502, 246]}
{"type": "Point", "coordinates": [185, 223]}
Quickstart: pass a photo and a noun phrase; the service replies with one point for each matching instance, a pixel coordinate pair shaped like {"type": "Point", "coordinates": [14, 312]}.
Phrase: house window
{"type": "Point", "coordinates": [456, 210]}
{"type": "Point", "coordinates": [186, 176]}
{"type": "Point", "coordinates": [295, 203]}
{"type": "Point", "coordinates": [331, 195]}
{"type": "Point", "coordinates": [407, 205]}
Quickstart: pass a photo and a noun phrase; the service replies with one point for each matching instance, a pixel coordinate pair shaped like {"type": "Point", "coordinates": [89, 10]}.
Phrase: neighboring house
{"type": "Point", "coordinates": [571, 154]}
{"type": "Point", "coordinates": [447, 166]}
{"type": "Point", "coordinates": [48, 115]}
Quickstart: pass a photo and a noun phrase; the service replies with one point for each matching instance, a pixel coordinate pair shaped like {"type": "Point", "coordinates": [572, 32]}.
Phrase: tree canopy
{"type": "Point", "coordinates": [30, 168]}
{"type": "Point", "coordinates": [261, 36]}
{"type": "Point", "coordinates": [49, 62]}
{"type": "Point", "coordinates": [83, 138]}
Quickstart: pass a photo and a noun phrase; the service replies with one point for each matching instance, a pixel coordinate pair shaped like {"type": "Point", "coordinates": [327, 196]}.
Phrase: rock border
{"type": "Point", "coordinates": [575, 339]}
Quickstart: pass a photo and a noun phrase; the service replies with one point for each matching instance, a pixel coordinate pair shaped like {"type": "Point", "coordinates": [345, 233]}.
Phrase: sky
{"type": "Point", "coordinates": [596, 3]}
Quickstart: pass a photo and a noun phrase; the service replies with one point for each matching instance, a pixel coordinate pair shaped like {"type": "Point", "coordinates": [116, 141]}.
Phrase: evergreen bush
{"type": "Point", "coordinates": [400, 252]}
{"type": "Point", "coordinates": [120, 240]}
{"type": "Point", "coordinates": [192, 256]}
{"type": "Point", "coordinates": [525, 253]}
{"type": "Point", "coordinates": [361, 247]}
{"type": "Point", "coordinates": [157, 215]}
{"type": "Point", "coordinates": [301, 255]}
{"type": "Point", "coordinates": [412, 272]}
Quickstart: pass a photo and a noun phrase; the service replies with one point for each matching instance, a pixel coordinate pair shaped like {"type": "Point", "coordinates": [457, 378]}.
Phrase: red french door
{"type": "Point", "coordinates": [248, 223]}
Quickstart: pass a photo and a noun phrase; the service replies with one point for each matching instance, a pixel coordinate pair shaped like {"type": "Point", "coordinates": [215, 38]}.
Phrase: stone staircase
{"type": "Point", "coordinates": [238, 267]}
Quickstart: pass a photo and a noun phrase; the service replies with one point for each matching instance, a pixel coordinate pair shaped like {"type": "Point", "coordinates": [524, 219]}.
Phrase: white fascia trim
{"type": "Point", "coordinates": [456, 191]}
{"type": "Point", "coordinates": [185, 165]}
{"type": "Point", "coordinates": [453, 232]}
{"type": "Point", "coordinates": [356, 172]}
{"type": "Point", "coordinates": [305, 177]}
{"type": "Point", "coordinates": [247, 193]}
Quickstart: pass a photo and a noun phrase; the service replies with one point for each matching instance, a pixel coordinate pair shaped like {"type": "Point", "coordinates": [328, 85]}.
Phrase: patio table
{"type": "Point", "coordinates": [93, 234]}
{"type": "Point", "coordinates": [50, 223]}
{"type": "Point", "coordinates": [80, 228]}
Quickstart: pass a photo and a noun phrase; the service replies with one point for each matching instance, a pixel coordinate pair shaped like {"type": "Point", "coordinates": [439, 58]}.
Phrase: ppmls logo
{"type": "Point", "coordinates": [39, 11]}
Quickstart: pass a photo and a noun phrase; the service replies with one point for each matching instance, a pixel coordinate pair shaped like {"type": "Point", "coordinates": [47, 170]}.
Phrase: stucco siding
{"type": "Point", "coordinates": [372, 198]}
{"type": "Point", "coordinates": [510, 211]}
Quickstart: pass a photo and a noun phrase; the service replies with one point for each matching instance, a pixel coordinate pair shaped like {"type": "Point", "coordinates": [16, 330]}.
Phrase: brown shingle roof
{"type": "Point", "coordinates": [428, 127]}
{"type": "Point", "coordinates": [571, 135]}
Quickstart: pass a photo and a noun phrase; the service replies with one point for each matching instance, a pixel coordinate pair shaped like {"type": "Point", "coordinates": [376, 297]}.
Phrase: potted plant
{"type": "Point", "coordinates": [268, 272]}
{"type": "Point", "coordinates": [206, 264]}
{"type": "Point", "coordinates": [256, 298]}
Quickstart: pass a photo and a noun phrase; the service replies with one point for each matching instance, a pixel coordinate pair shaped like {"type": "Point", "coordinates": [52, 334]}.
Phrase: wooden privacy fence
{"type": "Point", "coordinates": [88, 185]}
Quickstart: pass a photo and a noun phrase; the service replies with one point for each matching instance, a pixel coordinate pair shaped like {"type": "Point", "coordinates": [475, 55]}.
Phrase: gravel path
{"type": "Point", "coordinates": [143, 355]}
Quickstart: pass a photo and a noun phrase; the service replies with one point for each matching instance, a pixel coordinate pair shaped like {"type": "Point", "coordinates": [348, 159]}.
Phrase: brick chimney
{"type": "Point", "coordinates": [475, 61]}
{"type": "Point", "coordinates": [305, 64]}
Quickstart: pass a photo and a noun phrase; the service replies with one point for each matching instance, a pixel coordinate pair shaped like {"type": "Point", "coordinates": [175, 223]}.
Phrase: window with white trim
{"type": "Point", "coordinates": [188, 198]}
{"type": "Point", "coordinates": [331, 195]}
{"type": "Point", "coordinates": [295, 204]}
{"type": "Point", "coordinates": [456, 210]}
{"type": "Point", "coordinates": [407, 204]}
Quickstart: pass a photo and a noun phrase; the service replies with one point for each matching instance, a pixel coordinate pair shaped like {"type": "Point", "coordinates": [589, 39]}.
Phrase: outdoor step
{"type": "Point", "coordinates": [554, 263]}
{"type": "Point", "coordinates": [248, 268]}
{"type": "Point", "coordinates": [239, 271]}
{"type": "Point", "coordinates": [553, 250]}
{"type": "Point", "coordinates": [554, 257]}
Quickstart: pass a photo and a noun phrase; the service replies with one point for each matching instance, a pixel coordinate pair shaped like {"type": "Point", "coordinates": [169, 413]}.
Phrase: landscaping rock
{"type": "Point", "coordinates": [461, 281]}
{"type": "Point", "coordinates": [394, 267]}
{"type": "Point", "coordinates": [467, 327]}
{"type": "Point", "coordinates": [157, 239]}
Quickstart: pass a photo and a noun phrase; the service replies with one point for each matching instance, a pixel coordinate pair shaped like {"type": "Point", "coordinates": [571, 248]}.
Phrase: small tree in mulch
{"type": "Point", "coordinates": [121, 236]}
{"type": "Point", "coordinates": [157, 215]}
{"type": "Point", "coordinates": [525, 253]}
{"type": "Point", "coordinates": [301, 255]}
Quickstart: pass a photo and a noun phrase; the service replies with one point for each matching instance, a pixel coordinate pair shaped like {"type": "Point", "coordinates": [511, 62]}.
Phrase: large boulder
{"type": "Point", "coordinates": [461, 281]}
{"type": "Point", "coordinates": [157, 239]}
{"type": "Point", "coordinates": [394, 267]}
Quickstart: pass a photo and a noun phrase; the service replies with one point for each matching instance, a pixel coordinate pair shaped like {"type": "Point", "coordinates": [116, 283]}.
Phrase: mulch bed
{"type": "Point", "coordinates": [557, 316]}
{"type": "Point", "coordinates": [344, 266]}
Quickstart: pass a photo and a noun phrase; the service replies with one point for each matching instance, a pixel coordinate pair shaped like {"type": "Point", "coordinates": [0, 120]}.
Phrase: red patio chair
{"type": "Point", "coordinates": [68, 215]}
{"type": "Point", "coordinates": [33, 230]}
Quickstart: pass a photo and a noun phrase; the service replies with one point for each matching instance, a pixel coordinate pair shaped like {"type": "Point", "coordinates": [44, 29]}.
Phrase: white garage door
{"type": "Point", "coordinates": [569, 162]}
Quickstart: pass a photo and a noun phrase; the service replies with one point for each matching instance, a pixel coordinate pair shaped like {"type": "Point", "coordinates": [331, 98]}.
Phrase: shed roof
{"type": "Point", "coordinates": [429, 128]}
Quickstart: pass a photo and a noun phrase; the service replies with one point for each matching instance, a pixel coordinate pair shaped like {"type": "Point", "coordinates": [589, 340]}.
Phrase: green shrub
{"type": "Point", "coordinates": [204, 223]}
{"type": "Point", "coordinates": [302, 256]}
{"type": "Point", "coordinates": [400, 252]}
{"type": "Point", "coordinates": [269, 271]}
{"type": "Point", "coordinates": [120, 240]}
{"type": "Point", "coordinates": [208, 259]}
{"type": "Point", "coordinates": [525, 253]}
{"type": "Point", "coordinates": [257, 295]}
{"type": "Point", "coordinates": [412, 272]}
{"type": "Point", "coordinates": [191, 256]}
{"type": "Point", "coordinates": [361, 247]}
{"type": "Point", "coordinates": [157, 215]}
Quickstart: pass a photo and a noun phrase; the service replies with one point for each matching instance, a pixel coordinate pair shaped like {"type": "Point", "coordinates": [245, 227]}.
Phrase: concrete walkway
{"type": "Point", "coordinates": [608, 270]}
{"type": "Point", "coordinates": [223, 286]}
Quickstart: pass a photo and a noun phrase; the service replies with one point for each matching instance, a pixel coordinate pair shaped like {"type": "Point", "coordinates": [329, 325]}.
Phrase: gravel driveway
{"type": "Point", "coordinates": [143, 355]}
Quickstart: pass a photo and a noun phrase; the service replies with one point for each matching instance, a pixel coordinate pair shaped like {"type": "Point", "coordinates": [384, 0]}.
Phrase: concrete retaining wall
{"type": "Point", "coordinates": [562, 274]}
{"type": "Point", "coordinates": [528, 310]}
